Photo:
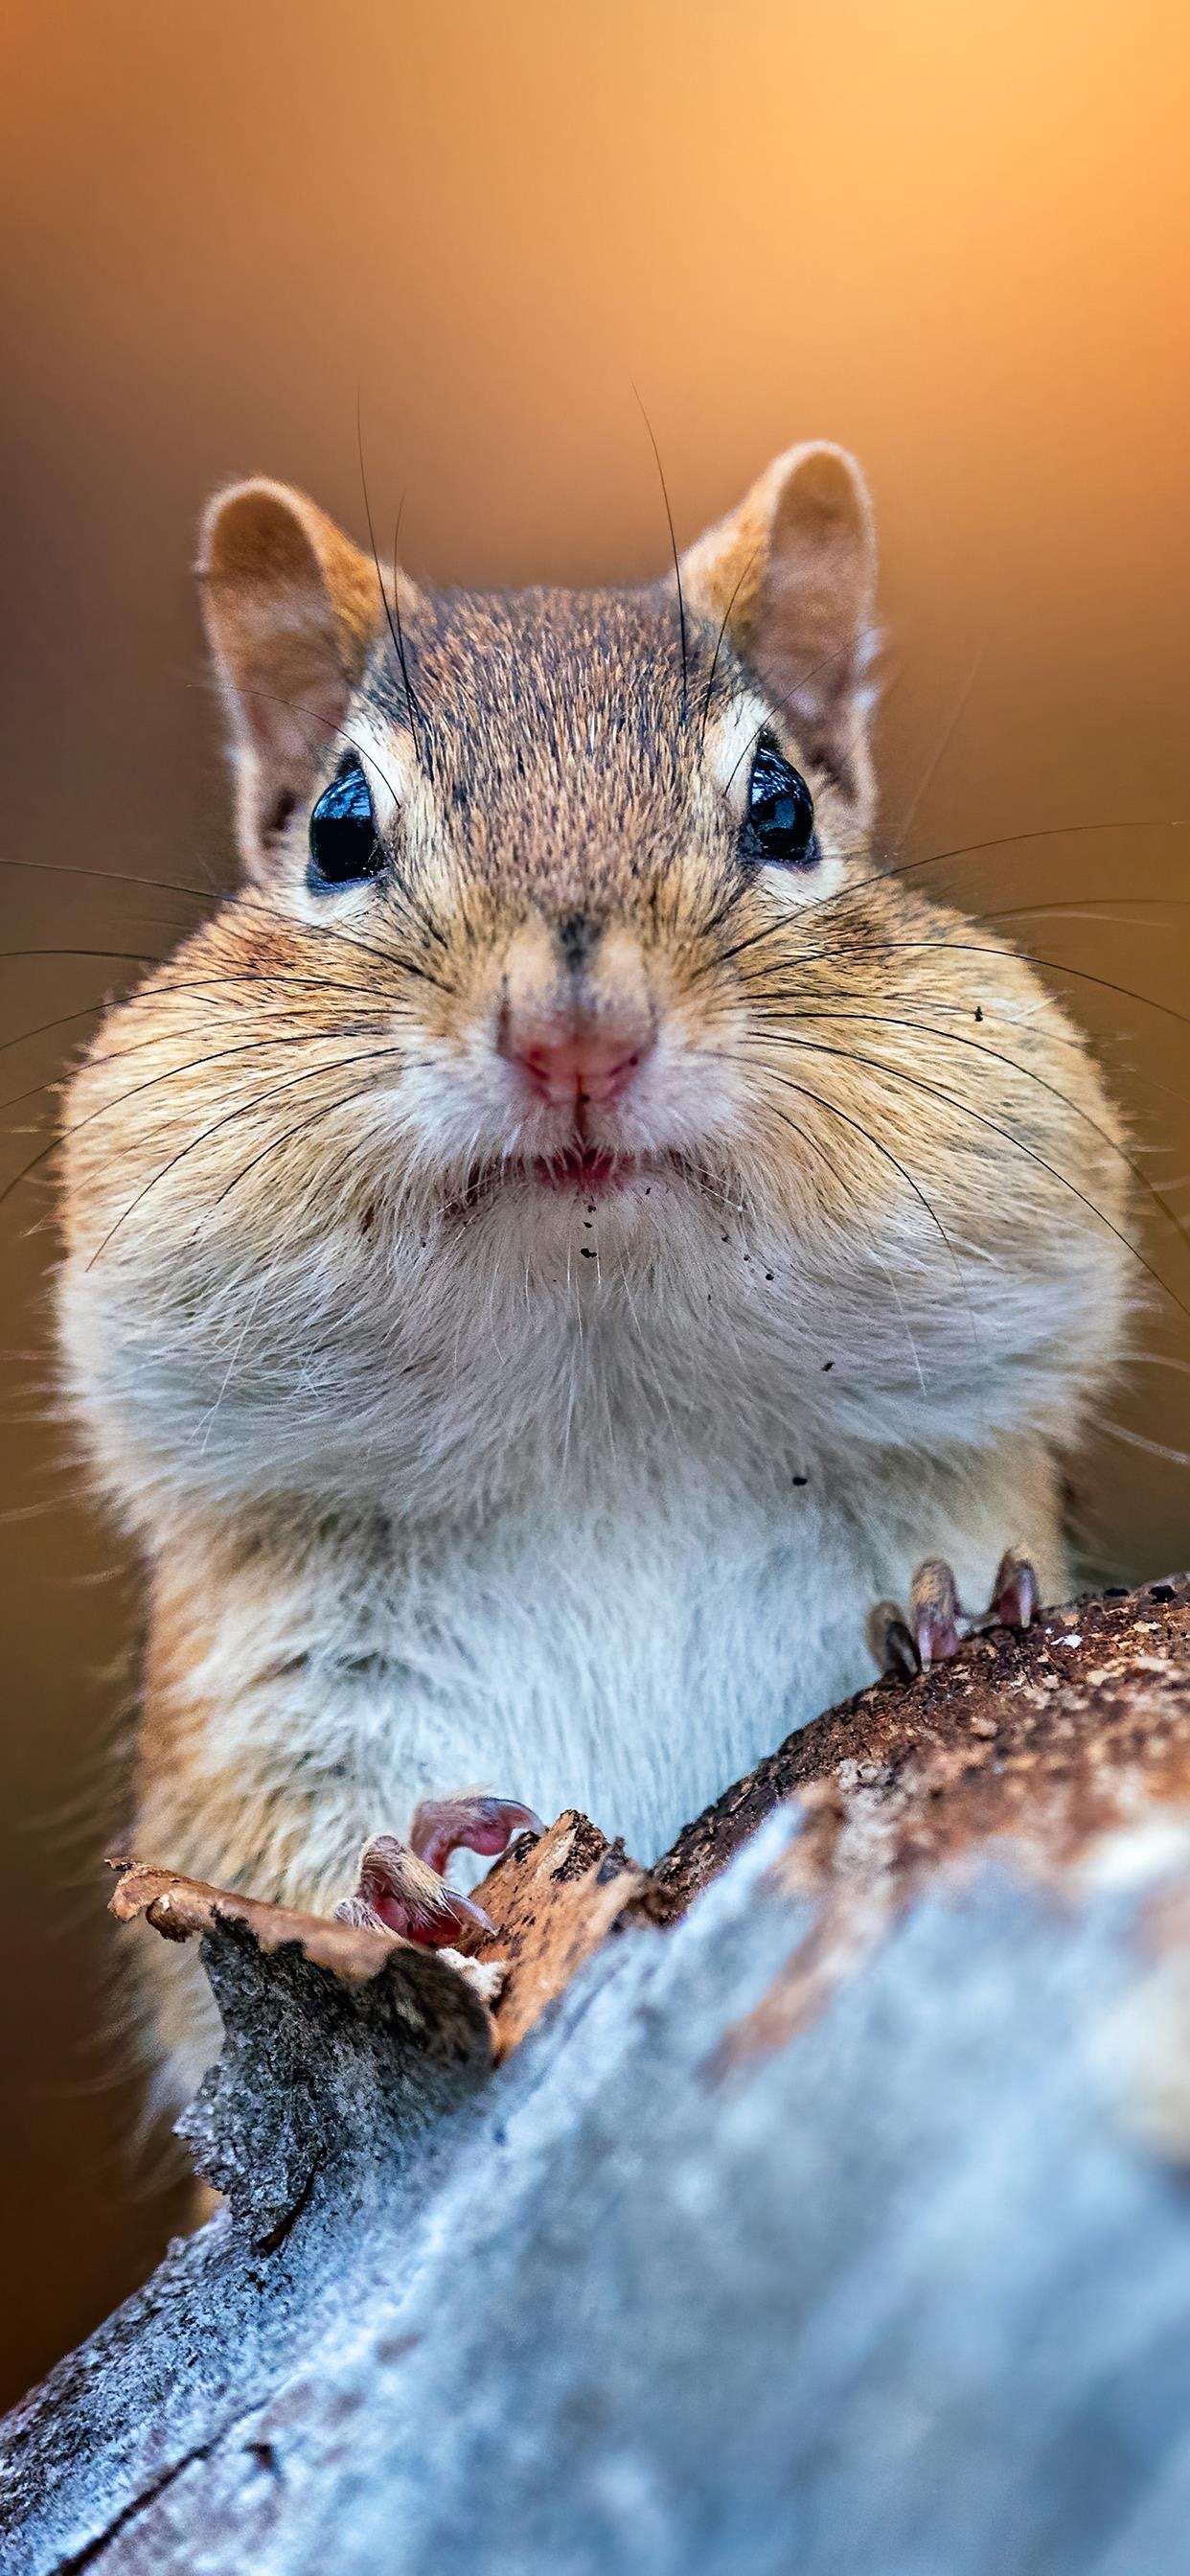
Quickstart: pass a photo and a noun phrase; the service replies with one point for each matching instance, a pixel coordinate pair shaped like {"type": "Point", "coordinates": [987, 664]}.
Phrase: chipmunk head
{"type": "Point", "coordinates": [552, 980]}
{"type": "Point", "coordinates": [547, 814]}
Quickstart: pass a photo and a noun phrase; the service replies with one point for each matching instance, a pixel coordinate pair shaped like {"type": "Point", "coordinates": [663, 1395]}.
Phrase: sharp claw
{"type": "Point", "coordinates": [465, 1907]}
{"type": "Point", "coordinates": [1016, 1598]}
{"type": "Point", "coordinates": [902, 1651]}
{"type": "Point", "coordinates": [472, 1821]}
{"type": "Point", "coordinates": [397, 1892]}
{"type": "Point", "coordinates": [892, 1643]}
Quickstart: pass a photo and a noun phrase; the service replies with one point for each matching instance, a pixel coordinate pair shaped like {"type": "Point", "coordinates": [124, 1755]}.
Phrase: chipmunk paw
{"type": "Point", "coordinates": [400, 1887]}
{"type": "Point", "coordinates": [471, 1821]}
{"type": "Point", "coordinates": [398, 1891]}
{"type": "Point", "coordinates": [907, 1642]}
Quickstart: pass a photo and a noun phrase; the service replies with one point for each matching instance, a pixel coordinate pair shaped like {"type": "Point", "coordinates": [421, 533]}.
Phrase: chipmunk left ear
{"type": "Point", "coordinates": [290, 607]}
{"type": "Point", "coordinates": [792, 575]}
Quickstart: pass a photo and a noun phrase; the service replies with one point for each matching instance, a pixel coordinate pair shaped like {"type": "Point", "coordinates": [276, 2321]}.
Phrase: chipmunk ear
{"type": "Point", "coordinates": [291, 608]}
{"type": "Point", "coordinates": [792, 574]}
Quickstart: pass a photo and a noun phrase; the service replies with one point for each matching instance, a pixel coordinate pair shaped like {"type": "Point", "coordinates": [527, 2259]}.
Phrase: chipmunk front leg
{"type": "Point", "coordinates": [906, 1642]}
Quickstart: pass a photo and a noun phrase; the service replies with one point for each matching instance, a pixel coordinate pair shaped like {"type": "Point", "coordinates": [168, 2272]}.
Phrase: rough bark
{"type": "Point", "coordinates": [814, 2199]}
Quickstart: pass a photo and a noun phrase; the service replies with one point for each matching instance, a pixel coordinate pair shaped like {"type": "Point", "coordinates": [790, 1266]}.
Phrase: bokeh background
{"type": "Point", "coordinates": [953, 237]}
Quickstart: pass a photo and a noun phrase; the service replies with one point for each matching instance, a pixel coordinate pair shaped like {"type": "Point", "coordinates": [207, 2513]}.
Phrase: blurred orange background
{"type": "Point", "coordinates": [954, 238]}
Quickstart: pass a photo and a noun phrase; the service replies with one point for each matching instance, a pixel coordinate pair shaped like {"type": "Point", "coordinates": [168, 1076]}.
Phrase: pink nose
{"type": "Point", "coordinates": [568, 1061]}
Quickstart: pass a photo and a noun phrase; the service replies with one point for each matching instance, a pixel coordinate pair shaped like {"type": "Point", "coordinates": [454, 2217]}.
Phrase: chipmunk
{"type": "Point", "coordinates": [572, 1229]}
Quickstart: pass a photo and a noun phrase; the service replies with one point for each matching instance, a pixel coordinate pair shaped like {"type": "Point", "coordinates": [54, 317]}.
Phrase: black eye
{"type": "Point", "coordinates": [344, 847]}
{"type": "Point", "coordinates": [779, 824]}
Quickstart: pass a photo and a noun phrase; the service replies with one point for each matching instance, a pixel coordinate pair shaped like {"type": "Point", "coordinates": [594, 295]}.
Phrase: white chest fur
{"type": "Point", "coordinates": [630, 1658]}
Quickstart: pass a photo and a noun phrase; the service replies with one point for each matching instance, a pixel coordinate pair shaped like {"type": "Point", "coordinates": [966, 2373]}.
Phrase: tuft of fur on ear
{"type": "Point", "coordinates": [291, 607]}
{"type": "Point", "coordinates": [792, 571]}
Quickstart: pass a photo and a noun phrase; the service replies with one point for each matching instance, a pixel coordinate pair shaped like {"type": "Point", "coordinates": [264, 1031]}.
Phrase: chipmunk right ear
{"type": "Point", "coordinates": [291, 608]}
{"type": "Point", "coordinates": [791, 577]}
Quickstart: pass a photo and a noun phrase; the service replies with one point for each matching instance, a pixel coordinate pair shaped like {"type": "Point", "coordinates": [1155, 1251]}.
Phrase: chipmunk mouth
{"type": "Point", "coordinates": [590, 1169]}
{"type": "Point", "coordinates": [587, 1172]}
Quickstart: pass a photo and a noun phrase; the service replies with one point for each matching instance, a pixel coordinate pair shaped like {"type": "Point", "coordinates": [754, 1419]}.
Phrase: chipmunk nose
{"type": "Point", "coordinates": [575, 1060]}
{"type": "Point", "coordinates": [578, 1035]}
